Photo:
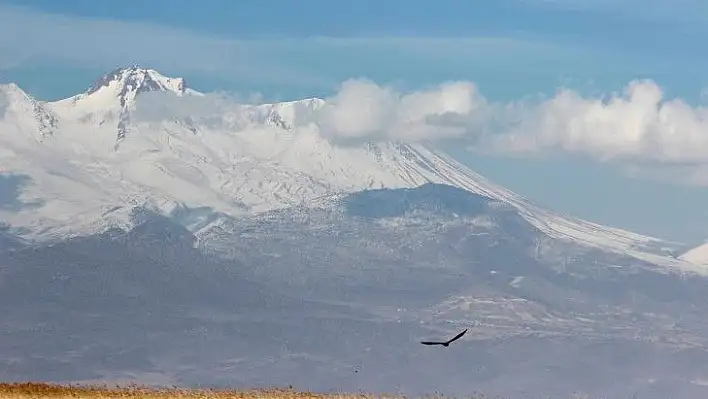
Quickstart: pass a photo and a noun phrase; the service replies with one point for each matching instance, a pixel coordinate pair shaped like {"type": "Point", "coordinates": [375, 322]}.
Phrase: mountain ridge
{"type": "Point", "coordinates": [250, 159]}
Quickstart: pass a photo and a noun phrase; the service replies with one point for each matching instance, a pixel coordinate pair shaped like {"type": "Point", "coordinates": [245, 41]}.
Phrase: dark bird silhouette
{"type": "Point", "coordinates": [447, 343]}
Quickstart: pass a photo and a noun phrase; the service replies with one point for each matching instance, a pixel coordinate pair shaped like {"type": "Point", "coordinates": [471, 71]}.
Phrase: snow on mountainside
{"type": "Point", "coordinates": [112, 97]}
{"type": "Point", "coordinates": [105, 156]}
{"type": "Point", "coordinates": [18, 107]}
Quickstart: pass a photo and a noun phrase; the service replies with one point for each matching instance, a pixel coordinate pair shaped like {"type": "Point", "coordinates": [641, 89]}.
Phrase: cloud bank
{"type": "Point", "coordinates": [363, 109]}
{"type": "Point", "coordinates": [638, 126]}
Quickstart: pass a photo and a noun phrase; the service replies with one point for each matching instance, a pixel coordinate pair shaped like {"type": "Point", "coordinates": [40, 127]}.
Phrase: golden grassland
{"type": "Point", "coordinates": [54, 391]}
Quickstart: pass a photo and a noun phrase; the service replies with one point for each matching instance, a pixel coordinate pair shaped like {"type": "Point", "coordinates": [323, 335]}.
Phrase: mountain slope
{"type": "Point", "coordinates": [26, 113]}
{"type": "Point", "coordinates": [106, 156]}
{"type": "Point", "coordinates": [338, 296]}
{"type": "Point", "coordinates": [697, 255]}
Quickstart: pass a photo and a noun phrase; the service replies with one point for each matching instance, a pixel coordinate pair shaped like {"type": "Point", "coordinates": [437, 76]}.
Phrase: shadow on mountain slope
{"type": "Point", "coordinates": [308, 296]}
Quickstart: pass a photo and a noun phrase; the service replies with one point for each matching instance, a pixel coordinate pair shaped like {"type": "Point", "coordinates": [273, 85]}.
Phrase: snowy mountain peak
{"type": "Point", "coordinates": [228, 159]}
{"type": "Point", "coordinates": [7, 88]}
{"type": "Point", "coordinates": [26, 113]}
{"type": "Point", "coordinates": [117, 90]}
{"type": "Point", "coordinates": [127, 83]}
{"type": "Point", "coordinates": [12, 97]}
{"type": "Point", "coordinates": [111, 98]}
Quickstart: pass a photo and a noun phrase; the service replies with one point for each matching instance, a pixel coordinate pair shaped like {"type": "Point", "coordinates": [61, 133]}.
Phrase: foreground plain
{"type": "Point", "coordinates": [42, 390]}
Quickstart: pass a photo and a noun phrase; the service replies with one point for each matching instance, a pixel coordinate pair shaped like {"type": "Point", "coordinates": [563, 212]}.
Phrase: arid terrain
{"type": "Point", "coordinates": [41, 390]}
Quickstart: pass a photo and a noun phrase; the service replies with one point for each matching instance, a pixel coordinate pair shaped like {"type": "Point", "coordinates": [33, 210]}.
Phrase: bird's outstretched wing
{"type": "Point", "coordinates": [457, 336]}
{"type": "Point", "coordinates": [445, 343]}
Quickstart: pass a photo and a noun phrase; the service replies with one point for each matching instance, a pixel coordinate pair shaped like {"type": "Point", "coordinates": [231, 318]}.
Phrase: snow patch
{"type": "Point", "coordinates": [697, 255]}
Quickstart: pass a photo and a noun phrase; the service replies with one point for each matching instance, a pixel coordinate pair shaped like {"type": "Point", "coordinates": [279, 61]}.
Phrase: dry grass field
{"type": "Point", "coordinates": [35, 390]}
{"type": "Point", "coordinates": [51, 391]}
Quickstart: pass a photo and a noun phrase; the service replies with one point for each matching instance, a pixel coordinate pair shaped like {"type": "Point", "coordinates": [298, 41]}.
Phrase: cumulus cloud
{"type": "Point", "coordinates": [637, 126]}
{"type": "Point", "coordinates": [362, 109]}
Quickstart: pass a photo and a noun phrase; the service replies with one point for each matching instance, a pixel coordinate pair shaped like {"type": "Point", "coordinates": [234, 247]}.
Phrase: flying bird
{"type": "Point", "coordinates": [447, 343]}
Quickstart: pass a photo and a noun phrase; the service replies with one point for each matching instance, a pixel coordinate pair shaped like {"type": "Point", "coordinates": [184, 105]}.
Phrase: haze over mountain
{"type": "Point", "coordinates": [162, 234]}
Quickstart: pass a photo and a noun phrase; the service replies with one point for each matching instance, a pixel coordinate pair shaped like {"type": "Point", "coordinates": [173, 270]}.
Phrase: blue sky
{"type": "Point", "coordinates": [509, 48]}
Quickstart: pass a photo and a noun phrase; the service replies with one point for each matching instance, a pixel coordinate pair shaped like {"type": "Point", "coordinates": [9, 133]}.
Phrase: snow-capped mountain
{"type": "Point", "coordinates": [108, 150]}
{"type": "Point", "coordinates": [112, 97]}
{"type": "Point", "coordinates": [338, 298]}
{"type": "Point", "coordinates": [26, 113]}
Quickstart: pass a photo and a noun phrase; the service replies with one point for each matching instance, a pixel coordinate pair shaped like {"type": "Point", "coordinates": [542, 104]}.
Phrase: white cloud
{"type": "Point", "coordinates": [363, 110]}
{"type": "Point", "coordinates": [638, 124]}
{"type": "Point", "coordinates": [639, 129]}
{"type": "Point", "coordinates": [360, 110]}
{"type": "Point", "coordinates": [635, 125]}
{"type": "Point", "coordinates": [158, 106]}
